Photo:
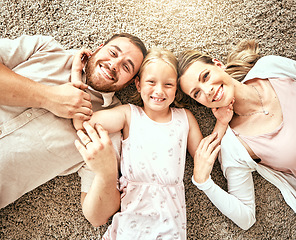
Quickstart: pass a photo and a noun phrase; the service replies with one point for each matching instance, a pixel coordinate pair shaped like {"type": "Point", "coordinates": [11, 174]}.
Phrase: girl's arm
{"type": "Point", "coordinates": [112, 120]}
{"type": "Point", "coordinates": [103, 198]}
{"type": "Point", "coordinates": [194, 135]}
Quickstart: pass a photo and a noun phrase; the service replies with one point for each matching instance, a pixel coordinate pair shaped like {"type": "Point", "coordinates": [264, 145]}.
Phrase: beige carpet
{"type": "Point", "coordinates": [52, 211]}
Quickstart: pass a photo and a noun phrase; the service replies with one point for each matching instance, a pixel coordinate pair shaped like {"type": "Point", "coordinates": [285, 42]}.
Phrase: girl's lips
{"type": "Point", "coordinates": [157, 99]}
{"type": "Point", "coordinates": [219, 94]}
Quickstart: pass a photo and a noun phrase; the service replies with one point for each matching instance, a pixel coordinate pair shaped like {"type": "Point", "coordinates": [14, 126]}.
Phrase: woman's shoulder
{"type": "Point", "coordinates": [272, 66]}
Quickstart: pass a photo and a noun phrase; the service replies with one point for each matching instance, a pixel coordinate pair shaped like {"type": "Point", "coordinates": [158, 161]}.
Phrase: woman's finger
{"type": "Point", "coordinates": [205, 142]}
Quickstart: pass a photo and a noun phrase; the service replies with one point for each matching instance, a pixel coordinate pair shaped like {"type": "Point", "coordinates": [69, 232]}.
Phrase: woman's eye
{"type": "Point", "coordinates": [196, 94]}
{"type": "Point", "coordinates": [112, 53]}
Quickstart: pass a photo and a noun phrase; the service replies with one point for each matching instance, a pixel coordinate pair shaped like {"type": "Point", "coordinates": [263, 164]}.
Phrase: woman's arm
{"type": "Point", "coordinates": [238, 203]}
{"type": "Point", "coordinates": [103, 198]}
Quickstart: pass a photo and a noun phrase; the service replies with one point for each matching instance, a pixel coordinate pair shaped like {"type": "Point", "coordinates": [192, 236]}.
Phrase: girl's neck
{"type": "Point", "coordinates": [162, 116]}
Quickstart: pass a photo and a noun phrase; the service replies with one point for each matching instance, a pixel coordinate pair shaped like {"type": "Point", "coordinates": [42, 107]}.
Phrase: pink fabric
{"type": "Point", "coordinates": [152, 166]}
{"type": "Point", "coordinates": [277, 149]}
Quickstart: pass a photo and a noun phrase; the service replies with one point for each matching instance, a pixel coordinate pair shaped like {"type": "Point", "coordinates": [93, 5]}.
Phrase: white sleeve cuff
{"type": "Point", "coordinates": [203, 186]}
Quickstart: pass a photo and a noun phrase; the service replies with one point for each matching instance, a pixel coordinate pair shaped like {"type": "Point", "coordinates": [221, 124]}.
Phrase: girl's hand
{"type": "Point", "coordinates": [205, 157]}
{"type": "Point", "coordinates": [224, 114]}
{"type": "Point", "coordinates": [97, 150]}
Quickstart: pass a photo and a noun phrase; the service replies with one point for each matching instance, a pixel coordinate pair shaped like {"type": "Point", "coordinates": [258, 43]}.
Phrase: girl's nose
{"type": "Point", "coordinates": [158, 88]}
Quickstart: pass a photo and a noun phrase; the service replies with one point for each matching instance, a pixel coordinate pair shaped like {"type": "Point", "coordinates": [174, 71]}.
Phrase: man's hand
{"type": "Point", "coordinates": [97, 150]}
{"type": "Point", "coordinates": [69, 101]}
{"type": "Point", "coordinates": [205, 157]}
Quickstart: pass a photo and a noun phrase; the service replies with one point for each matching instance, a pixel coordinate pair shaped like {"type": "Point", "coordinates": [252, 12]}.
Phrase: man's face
{"type": "Point", "coordinates": [114, 65]}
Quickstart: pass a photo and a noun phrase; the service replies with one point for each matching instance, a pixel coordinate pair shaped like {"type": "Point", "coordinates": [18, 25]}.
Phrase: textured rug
{"type": "Point", "coordinates": [52, 211]}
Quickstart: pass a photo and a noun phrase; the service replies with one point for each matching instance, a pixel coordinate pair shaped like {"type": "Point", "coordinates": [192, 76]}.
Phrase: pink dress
{"type": "Point", "coordinates": [277, 149]}
{"type": "Point", "coordinates": [152, 166]}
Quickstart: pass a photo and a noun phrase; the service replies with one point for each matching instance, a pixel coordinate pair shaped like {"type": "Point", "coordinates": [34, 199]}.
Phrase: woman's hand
{"type": "Point", "coordinates": [97, 150]}
{"type": "Point", "coordinates": [205, 157]}
{"type": "Point", "coordinates": [224, 114]}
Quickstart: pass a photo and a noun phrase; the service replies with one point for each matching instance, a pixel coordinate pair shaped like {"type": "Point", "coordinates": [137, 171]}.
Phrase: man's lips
{"type": "Point", "coordinates": [106, 72]}
{"type": "Point", "coordinates": [219, 94]}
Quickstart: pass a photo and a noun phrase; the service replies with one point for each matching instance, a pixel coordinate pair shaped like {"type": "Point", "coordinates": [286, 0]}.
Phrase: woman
{"type": "Point", "coordinates": [261, 130]}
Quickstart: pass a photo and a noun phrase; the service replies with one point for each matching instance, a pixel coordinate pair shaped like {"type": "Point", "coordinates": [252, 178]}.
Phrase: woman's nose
{"type": "Point", "coordinates": [208, 90]}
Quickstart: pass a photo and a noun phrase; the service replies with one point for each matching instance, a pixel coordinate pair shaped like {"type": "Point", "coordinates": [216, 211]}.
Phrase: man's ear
{"type": "Point", "coordinates": [218, 63]}
{"type": "Point", "coordinates": [99, 48]}
{"type": "Point", "coordinates": [137, 83]}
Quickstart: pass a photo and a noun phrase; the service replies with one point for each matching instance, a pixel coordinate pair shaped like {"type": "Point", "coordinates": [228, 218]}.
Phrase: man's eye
{"type": "Point", "coordinates": [126, 68]}
{"type": "Point", "coordinates": [206, 75]}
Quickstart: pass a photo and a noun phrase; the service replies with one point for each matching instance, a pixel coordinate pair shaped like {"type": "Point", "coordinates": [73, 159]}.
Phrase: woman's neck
{"type": "Point", "coordinates": [248, 99]}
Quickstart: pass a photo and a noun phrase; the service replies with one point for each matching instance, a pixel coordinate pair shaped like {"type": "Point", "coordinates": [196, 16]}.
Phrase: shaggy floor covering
{"type": "Point", "coordinates": [52, 211]}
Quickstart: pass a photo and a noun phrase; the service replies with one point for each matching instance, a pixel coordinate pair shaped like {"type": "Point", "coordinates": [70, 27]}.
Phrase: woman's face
{"type": "Point", "coordinates": [208, 84]}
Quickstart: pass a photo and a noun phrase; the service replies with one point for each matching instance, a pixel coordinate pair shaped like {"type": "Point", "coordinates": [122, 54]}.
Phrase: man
{"type": "Point", "coordinates": [37, 102]}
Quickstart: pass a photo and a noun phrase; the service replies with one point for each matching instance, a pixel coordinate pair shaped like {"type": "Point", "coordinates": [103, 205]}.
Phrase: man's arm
{"type": "Point", "coordinates": [103, 198]}
{"type": "Point", "coordinates": [66, 100]}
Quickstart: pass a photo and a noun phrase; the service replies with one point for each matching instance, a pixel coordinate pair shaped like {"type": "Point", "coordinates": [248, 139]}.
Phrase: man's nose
{"type": "Point", "coordinates": [114, 64]}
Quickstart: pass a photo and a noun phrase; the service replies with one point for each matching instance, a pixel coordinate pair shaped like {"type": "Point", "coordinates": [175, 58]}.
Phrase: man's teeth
{"type": "Point", "coordinates": [104, 70]}
{"type": "Point", "coordinates": [218, 94]}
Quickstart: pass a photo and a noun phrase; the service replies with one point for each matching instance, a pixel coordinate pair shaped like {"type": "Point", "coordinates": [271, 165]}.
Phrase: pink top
{"type": "Point", "coordinates": [277, 149]}
{"type": "Point", "coordinates": [152, 166]}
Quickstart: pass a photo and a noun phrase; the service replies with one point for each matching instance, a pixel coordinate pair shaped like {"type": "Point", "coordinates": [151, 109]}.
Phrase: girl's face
{"type": "Point", "coordinates": [208, 84]}
{"type": "Point", "coordinates": [157, 86]}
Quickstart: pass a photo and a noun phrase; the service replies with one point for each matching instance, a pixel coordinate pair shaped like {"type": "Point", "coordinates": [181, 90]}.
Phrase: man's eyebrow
{"type": "Point", "coordinates": [129, 61]}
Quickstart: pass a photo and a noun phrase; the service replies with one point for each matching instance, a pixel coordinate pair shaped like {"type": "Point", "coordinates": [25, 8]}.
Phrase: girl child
{"type": "Point", "coordinates": [262, 127]}
{"type": "Point", "coordinates": [155, 138]}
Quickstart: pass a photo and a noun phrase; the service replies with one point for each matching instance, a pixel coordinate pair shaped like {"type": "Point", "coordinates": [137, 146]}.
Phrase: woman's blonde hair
{"type": "Point", "coordinates": [239, 62]}
{"type": "Point", "coordinates": [153, 55]}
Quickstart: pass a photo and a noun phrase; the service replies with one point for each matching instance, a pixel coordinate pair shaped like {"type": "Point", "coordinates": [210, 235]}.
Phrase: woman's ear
{"type": "Point", "coordinates": [137, 83]}
{"type": "Point", "coordinates": [218, 63]}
